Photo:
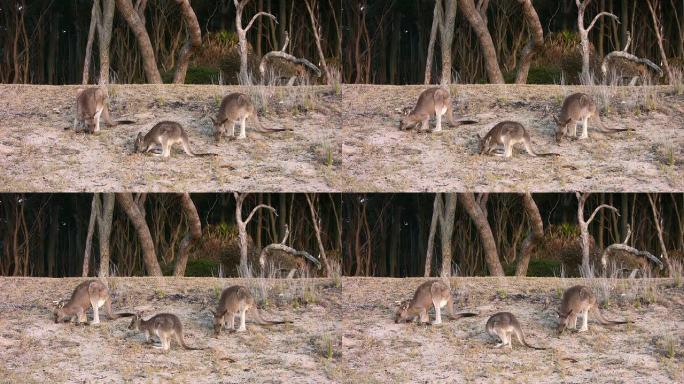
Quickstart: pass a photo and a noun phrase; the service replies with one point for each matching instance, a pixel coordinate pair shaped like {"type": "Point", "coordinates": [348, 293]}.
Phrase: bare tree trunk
{"type": "Point", "coordinates": [533, 46]}
{"type": "Point", "coordinates": [657, 220]}
{"type": "Point", "coordinates": [94, 208]}
{"type": "Point", "coordinates": [317, 37]}
{"type": "Point", "coordinates": [446, 229]}
{"type": "Point", "coordinates": [104, 227]}
{"type": "Point", "coordinates": [104, 37]}
{"type": "Point", "coordinates": [86, 68]}
{"type": "Point", "coordinates": [480, 27]}
{"type": "Point", "coordinates": [242, 35]}
{"type": "Point", "coordinates": [584, 225]}
{"type": "Point", "coordinates": [242, 225]}
{"type": "Point", "coordinates": [584, 34]}
{"type": "Point", "coordinates": [194, 234]}
{"type": "Point", "coordinates": [431, 49]}
{"type": "Point", "coordinates": [317, 230]}
{"type": "Point", "coordinates": [144, 43]}
{"type": "Point", "coordinates": [193, 42]}
{"type": "Point", "coordinates": [138, 220]}
{"type": "Point", "coordinates": [658, 28]}
{"type": "Point", "coordinates": [446, 37]}
{"type": "Point", "coordinates": [485, 231]}
{"type": "Point", "coordinates": [437, 207]}
{"type": "Point", "coordinates": [534, 238]}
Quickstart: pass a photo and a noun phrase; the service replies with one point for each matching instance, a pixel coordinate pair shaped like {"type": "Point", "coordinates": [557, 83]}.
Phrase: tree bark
{"type": "Point", "coordinates": [446, 38]}
{"type": "Point", "coordinates": [94, 208]}
{"type": "Point", "coordinates": [104, 227]}
{"type": "Point", "coordinates": [584, 225]}
{"type": "Point", "coordinates": [437, 207]}
{"type": "Point", "coordinates": [446, 229]}
{"type": "Point", "coordinates": [317, 38]}
{"type": "Point", "coordinates": [535, 43]}
{"type": "Point", "coordinates": [194, 234]}
{"type": "Point", "coordinates": [584, 35]}
{"type": "Point", "coordinates": [86, 69]}
{"type": "Point", "coordinates": [485, 39]}
{"type": "Point", "coordinates": [242, 36]}
{"type": "Point", "coordinates": [485, 232]}
{"type": "Point", "coordinates": [657, 220]}
{"type": "Point", "coordinates": [658, 28]}
{"type": "Point", "coordinates": [431, 48]}
{"type": "Point", "coordinates": [193, 42]}
{"type": "Point", "coordinates": [242, 225]}
{"type": "Point", "coordinates": [317, 230]}
{"type": "Point", "coordinates": [534, 238]}
{"type": "Point", "coordinates": [138, 220]}
{"type": "Point", "coordinates": [144, 43]}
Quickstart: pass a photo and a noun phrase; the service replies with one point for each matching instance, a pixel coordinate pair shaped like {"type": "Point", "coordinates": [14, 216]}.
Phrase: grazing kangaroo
{"type": "Point", "coordinates": [432, 101]}
{"type": "Point", "coordinates": [576, 107]}
{"type": "Point", "coordinates": [580, 299]}
{"type": "Point", "coordinates": [165, 135]}
{"type": "Point", "coordinates": [91, 104]}
{"type": "Point", "coordinates": [503, 325]}
{"type": "Point", "coordinates": [165, 326]}
{"type": "Point", "coordinates": [431, 293]}
{"type": "Point", "coordinates": [233, 300]}
{"type": "Point", "coordinates": [237, 107]}
{"type": "Point", "coordinates": [507, 134]}
{"type": "Point", "coordinates": [91, 293]}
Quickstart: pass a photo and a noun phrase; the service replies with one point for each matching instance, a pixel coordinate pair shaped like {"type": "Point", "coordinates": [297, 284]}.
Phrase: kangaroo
{"type": "Point", "coordinates": [233, 300]}
{"type": "Point", "coordinates": [165, 134]}
{"type": "Point", "coordinates": [89, 293]}
{"type": "Point", "coordinates": [576, 107]}
{"type": "Point", "coordinates": [431, 293]}
{"type": "Point", "coordinates": [165, 326]}
{"type": "Point", "coordinates": [507, 134]}
{"type": "Point", "coordinates": [580, 299]}
{"type": "Point", "coordinates": [503, 325]}
{"type": "Point", "coordinates": [237, 107]}
{"type": "Point", "coordinates": [432, 101]}
{"type": "Point", "coordinates": [91, 104]}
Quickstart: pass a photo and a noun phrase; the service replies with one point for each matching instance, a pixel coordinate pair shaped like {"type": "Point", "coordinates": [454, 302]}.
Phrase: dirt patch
{"type": "Point", "coordinates": [37, 154]}
{"type": "Point", "coordinates": [379, 157]}
{"type": "Point", "coordinates": [35, 349]}
{"type": "Point", "coordinates": [377, 350]}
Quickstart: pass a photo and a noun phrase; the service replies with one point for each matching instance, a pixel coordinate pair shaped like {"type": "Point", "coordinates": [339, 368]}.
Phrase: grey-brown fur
{"type": "Point", "coordinates": [432, 101]}
{"type": "Point", "coordinates": [507, 134]}
{"type": "Point", "coordinates": [503, 325]}
{"type": "Point", "coordinates": [165, 326]}
{"type": "Point", "coordinates": [579, 299]}
{"type": "Point", "coordinates": [91, 293]}
{"type": "Point", "coordinates": [237, 108]}
{"type": "Point", "coordinates": [431, 293]}
{"type": "Point", "coordinates": [165, 135]}
{"type": "Point", "coordinates": [91, 105]}
{"type": "Point", "coordinates": [237, 299]}
{"type": "Point", "coordinates": [579, 107]}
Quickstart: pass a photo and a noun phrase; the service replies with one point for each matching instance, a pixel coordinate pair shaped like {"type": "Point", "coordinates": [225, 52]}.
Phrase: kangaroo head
{"type": "Point", "coordinates": [139, 142]}
{"type": "Point", "coordinates": [563, 320]}
{"type": "Point", "coordinates": [218, 321]}
{"type": "Point", "coordinates": [135, 322]}
{"type": "Point", "coordinates": [561, 128]}
{"type": "Point", "coordinates": [401, 313]}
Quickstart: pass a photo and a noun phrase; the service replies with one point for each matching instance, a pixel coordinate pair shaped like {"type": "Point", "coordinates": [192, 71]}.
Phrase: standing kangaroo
{"type": "Point", "coordinates": [234, 300]}
{"type": "Point", "coordinates": [507, 134]}
{"type": "Point", "coordinates": [91, 104]}
{"type": "Point", "coordinates": [432, 101]}
{"type": "Point", "coordinates": [576, 300]}
{"type": "Point", "coordinates": [91, 293]}
{"type": "Point", "coordinates": [579, 107]}
{"type": "Point", "coordinates": [165, 326]}
{"type": "Point", "coordinates": [431, 293]}
{"type": "Point", "coordinates": [237, 107]}
{"type": "Point", "coordinates": [503, 325]}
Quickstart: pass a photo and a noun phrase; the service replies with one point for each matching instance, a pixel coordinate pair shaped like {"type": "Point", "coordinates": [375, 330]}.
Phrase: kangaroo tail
{"type": "Point", "coordinates": [547, 154]}
{"type": "Point", "coordinates": [205, 154]}
{"type": "Point", "coordinates": [123, 122]}
{"type": "Point", "coordinates": [604, 321]}
{"type": "Point", "coordinates": [463, 314]}
{"type": "Point", "coordinates": [121, 314]}
{"type": "Point", "coordinates": [521, 338]}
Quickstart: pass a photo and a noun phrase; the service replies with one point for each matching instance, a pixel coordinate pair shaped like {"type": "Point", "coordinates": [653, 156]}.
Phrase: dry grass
{"type": "Point", "coordinates": [34, 349]}
{"type": "Point", "coordinates": [461, 351]}
{"type": "Point", "coordinates": [39, 155]}
{"type": "Point", "coordinates": [376, 156]}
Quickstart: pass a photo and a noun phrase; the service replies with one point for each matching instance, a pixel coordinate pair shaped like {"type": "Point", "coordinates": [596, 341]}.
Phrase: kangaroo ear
{"type": "Point", "coordinates": [479, 138]}
{"type": "Point", "coordinates": [140, 135]}
{"type": "Point", "coordinates": [212, 312]}
{"type": "Point", "coordinates": [212, 120]}
{"type": "Point", "coordinates": [556, 120]}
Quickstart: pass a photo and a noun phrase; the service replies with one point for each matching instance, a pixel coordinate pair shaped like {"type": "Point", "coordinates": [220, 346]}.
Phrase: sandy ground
{"type": "Point", "coordinates": [378, 350]}
{"type": "Point", "coordinates": [378, 157]}
{"type": "Point", "coordinates": [35, 349]}
{"type": "Point", "coordinates": [37, 154]}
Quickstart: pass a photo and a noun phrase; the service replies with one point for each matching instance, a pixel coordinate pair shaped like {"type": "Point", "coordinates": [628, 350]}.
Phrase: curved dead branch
{"type": "Point", "coordinates": [628, 56]}
{"type": "Point", "coordinates": [632, 250]}
{"type": "Point", "coordinates": [286, 56]}
{"type": "Point", "coordinates": [284, 248]}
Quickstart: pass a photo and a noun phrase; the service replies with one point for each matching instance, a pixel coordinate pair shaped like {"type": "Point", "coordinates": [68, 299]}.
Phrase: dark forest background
{"type": "Point", "coordinates": [366, 41]}
{"type": "Point", "coordinates": [387, 234]}
{"type": "Point", "coordinates": [45, 234]}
